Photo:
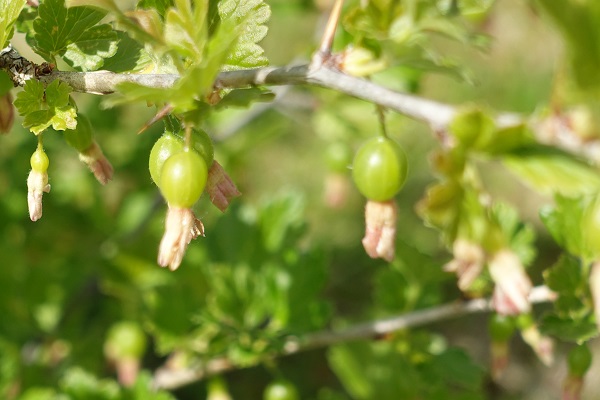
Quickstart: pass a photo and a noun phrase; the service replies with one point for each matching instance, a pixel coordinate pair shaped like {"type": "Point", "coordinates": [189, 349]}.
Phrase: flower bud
{"type": "Point", "coordinates": [358, 61]}
{"type": "Point", "coordinates": [220, 187]}
{"type": "Point", "coordinates": [380, 231]}
{"type": "Point", "coordinates": [511, 293]}
{"type": "Point", "coordinates": [542, 345]}
{"type": "Point", "coordinates": [7, 113]}
{"type": "Point", "coordinates": [337, 188]}
{"type": "Point", "coordinates": [97, 163]}
{"type": "Point", "coordinates": [181, 226]}
{"type": "Point", "coordinates": [37, 183]}
{"type": "Point", "coordinates": [468, 262]}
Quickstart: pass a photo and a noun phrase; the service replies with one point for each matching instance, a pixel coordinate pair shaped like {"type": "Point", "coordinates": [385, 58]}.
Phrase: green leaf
{"type": "Point", "coordinates": [80, 384]}
{"type": "Point", "coordinates": [574, 223]}
{"type": "Point", "coordinates": [551, 171]}
{"type": "Point", "coordinates": [186, 29]}
{"type": "Point", "coordinates": [130, 56]}
{"type": "Point", "coordinates": [161, 6]}
{"type": "Point", "coordinates": [565, 328]}
{"type": "Point", "coordinates": [565, 276]}
{"type": "Point", "coordinates": [521, 237]}
{"type": "Point", "coordinates": [143, 389]}
{"type": "Point", "coordinates": [74, 35]}
{"type": "Point", "coordinates": [370, 371]}
{"type": "Point", "coordinates": [578, 22]}
{"type": "Point", "coordinates": [244, 97]}
{"type": "Point", "coordinates": [44, 108]}
{"type": "Point", "coordinates": [252, 15]}
{"type": "Point", "coordinates": [454, 368]}
{"type": "Point", "coordinates": [8, 16]}
{"type": "Point", "coordinates": [31, 98]}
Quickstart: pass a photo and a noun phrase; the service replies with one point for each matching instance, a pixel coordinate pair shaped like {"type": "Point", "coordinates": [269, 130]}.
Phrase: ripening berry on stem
{"type": "Point", "coordinates": [379, 171]}
{"type": "Point", "coordinates": [182, 180]}
{"type": "Point", "coordinates": [579, 361]}
{"type": "Point", "coordinates": [37, 182]}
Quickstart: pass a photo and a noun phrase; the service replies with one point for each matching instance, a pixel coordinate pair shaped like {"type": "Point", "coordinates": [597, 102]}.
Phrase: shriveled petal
{"type": "Point", "coordinates": [543, 346]}
{"type": "Point", "coordinates": [511, 293]}
{"type": "Point", "coordinates": [127, 371]}
{"type": "Point", "coordinates": [499, 354]}
{"type": "Point", "coordinates": [7, 113]}
{"type": "Point", "coordinates": [468, 262]}
{"type": "Point", "coordinates": [37, 184]}
{"type": "Point", "coordinates": [220, 187]}
{"type": "Point", "coordinates": [595, 289]}
{"type": "Point", "coordinates": [380, 231]}
{"type": "Point", "coordinates": [572, 388]}
{"type": "Point", "coordinates": [337, 187]}
{"type": "Point", "coordinates": [97, 163]}
{"type": "Point", "coordinates": [181, 226]}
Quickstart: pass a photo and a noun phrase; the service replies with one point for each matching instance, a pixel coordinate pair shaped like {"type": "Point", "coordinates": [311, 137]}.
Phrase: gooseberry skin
{"type": "Point", "coordinates": [183, 178]}
{"type": "Point", "coordinates": [579, 360]}
{"type": "Point", "coordinates": [281, 390]}
{"type": "Point", "coordinates": [166, 146]}
{"type": "Point", "coordinates": [501, 327]}
{"type": "Point", "coordinates": [39, 161]}
{"type": "Point", "coordinates": [202, 143]}
{"type": "Point", "coordinates": [379, 169]}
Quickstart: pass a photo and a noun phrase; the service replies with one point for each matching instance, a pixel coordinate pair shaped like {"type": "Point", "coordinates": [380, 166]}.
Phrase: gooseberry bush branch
{"type": "Point", "coordinates": [167, 378]}
{"type": "Point", "coordinates": [253, 289]}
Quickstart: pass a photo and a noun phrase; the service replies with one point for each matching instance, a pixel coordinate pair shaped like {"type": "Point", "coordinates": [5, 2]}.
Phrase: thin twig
{"type": "Point", "coordinates": [166, 378]}
{"type": "Point", "coordinates": [324, 52]}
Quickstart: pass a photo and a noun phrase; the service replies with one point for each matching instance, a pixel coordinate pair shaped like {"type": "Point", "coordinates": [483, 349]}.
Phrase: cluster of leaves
{"type": "Point", "coordinates": [402, 33]}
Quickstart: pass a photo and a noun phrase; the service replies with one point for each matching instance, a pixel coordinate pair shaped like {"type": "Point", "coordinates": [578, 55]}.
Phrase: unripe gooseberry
{"type": "Point", "coordinates": [125, 340]}
{"type": "Point", "coordinates": [281, 390]}
{"type": "Point", "coordinates": [183, 178]}
{"type": "Point", "coordinates": [579, 360]}
{"type": "Point", "coordinates": [39, 160]}
{"type": "Point", "coordinates": [170, 143]}
{"type": "Point", "coordinates": [167, 145]}
{"type": "Point", "coordinates": [339, 157]}
{"type": "Point", "coordinates": [501, 327]}
{"type": "Point", "coordinates": [379, 169]}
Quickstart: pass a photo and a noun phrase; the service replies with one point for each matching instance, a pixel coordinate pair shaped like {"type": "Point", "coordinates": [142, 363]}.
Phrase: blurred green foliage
{"type": "Point", "coordinates": [280, 262]}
